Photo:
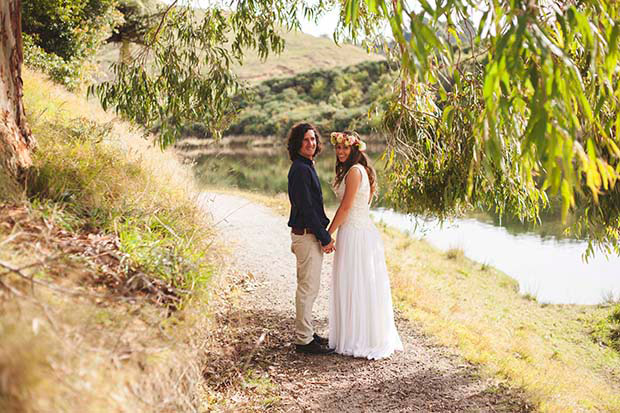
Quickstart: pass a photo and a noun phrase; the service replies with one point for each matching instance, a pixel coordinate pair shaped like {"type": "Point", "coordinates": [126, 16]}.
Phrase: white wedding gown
{"type": "Point", "coordinates": [361, 318]}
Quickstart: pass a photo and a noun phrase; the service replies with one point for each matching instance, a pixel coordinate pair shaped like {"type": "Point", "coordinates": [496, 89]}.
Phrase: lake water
{"type": "Point", "coordinates": [548, 268]}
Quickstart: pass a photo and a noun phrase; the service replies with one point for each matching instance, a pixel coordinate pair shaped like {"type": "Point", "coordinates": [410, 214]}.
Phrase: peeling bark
{"type": "Point", "coordinates": [16, 140]}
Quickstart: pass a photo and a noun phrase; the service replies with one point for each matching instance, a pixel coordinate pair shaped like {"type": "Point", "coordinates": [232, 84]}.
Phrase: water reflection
{"type": "Point", "coordinates": [547, 268]}
{"type": "Point", "coordinates": [266, 170]}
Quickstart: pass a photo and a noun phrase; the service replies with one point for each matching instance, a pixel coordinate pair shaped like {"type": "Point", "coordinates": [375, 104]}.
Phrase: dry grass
{"type": "Point", "coordinates": [69, 342]}
{"type": "Point", "coordinates": [545, 349]}
{"type": "Point", "coordinates": [302, 53]}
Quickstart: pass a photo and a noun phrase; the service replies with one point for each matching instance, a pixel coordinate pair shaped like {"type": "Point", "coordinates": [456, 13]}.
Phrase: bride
{"type": "Point", "coordinates": [361, 319]}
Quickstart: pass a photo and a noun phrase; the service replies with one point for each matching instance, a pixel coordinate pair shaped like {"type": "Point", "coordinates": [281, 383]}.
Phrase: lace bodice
{"type": "Point", "coordinates": [359, 214]}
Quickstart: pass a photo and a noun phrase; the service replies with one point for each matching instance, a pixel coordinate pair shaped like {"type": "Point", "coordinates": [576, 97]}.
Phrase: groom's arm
{"type": "Point", "coordinates": [302, 197]}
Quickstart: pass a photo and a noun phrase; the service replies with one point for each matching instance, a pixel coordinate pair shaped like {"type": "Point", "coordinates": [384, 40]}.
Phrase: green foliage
{"type": "Point", "coordinates": [60, 36]}
{"type": "Point", "coordinates": [541, 117]}
{"type": "Point", "coordinates": [335, 99]}
{"type": "Point", "coordinates": [607, 330]}
{"type": "Point", "coordinates": [189, 56]}
{"type": "Point", "coordinates": [70, 29]}
{"type": "Point", "coordinates": [83, 178]}
{"type": "Point", "coordinates": [59, 70]}
{"type": "Point", "coordinates": [318, 89]}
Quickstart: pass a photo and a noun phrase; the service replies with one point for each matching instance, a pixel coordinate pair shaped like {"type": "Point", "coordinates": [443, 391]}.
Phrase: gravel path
{"type": "Point", "coordinates": [424, 378]}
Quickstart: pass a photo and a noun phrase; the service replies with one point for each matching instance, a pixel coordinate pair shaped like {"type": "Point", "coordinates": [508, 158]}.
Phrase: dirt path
{"type": "Point", "coordinates": [425, 377]}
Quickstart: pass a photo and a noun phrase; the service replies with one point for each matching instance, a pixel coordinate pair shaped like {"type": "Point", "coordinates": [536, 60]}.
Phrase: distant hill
{"type": "Point", "coordinates": [302, 53]}
{"type": "Point", "coordinates": [333, 99]}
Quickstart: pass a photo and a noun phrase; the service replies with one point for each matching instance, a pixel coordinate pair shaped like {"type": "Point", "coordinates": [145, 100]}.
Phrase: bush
{"type": "Point", "coordinates": [351, 97]}
{"type": "Point", "coordinates": [289, 94]}
{"type": "Point", "coordinates": [60, 71]}
{"type": "Point", "coordinates": [331, 99]}
{"type": "Point", "coordinates": [70, 29]}
{"type": "Point", "coordinates": [318, 89]}
{"type": "Point", "coordinates": [60, 36]}
{"type": "Point", "coordinates": [341, 83]}
{"type": "Point", "coordinates": [607, 330]}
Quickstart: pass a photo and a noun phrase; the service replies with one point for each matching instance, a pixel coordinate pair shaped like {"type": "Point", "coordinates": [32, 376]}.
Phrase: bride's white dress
{"type": "Point", "coordinates": [361, 318]}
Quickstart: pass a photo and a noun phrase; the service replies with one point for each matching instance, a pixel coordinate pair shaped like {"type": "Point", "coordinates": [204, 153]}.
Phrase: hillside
{"type": "Point", "coordinates": [302, 53]}
{"type": "Point", "coordinates": [333, 99]}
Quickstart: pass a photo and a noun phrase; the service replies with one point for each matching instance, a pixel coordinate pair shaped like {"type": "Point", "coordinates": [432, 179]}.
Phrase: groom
{"type": "Point", "coordinates": [309, 237]}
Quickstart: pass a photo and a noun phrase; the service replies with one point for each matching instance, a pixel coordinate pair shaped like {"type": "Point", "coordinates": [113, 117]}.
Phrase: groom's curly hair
{"type": "Point", "coordinates": [296, 137]}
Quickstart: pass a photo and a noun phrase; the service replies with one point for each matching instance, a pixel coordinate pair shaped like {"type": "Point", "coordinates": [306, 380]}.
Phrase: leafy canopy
{"type": "Point", "coordinates": [183, 73]}
{"type": "Point", "coordinates": [69, 29]}
{"type": "Point", "coordinates": [507, 111]}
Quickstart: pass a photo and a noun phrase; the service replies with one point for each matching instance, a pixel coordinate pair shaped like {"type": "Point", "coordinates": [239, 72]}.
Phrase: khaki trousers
{"type": "Point", "coordinates": [309, 254]}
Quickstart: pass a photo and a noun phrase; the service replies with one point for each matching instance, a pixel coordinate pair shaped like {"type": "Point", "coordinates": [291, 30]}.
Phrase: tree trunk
{"type": "Point", "coordinates": [16, 140]}
{"type": "Point", "coordinates": [125, 51]}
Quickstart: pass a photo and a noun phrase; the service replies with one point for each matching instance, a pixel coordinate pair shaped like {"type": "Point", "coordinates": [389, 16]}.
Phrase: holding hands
{"type": "Point", "coordinates": [329, 248]}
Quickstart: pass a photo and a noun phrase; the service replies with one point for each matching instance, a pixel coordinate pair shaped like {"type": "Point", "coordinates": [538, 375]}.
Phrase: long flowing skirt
{"type": "Point", "coordinates": [361, 318]}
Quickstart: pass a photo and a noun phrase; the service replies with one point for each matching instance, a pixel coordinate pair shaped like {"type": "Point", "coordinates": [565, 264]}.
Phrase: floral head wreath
{"type": "Point", "coordinates": [347, 140]}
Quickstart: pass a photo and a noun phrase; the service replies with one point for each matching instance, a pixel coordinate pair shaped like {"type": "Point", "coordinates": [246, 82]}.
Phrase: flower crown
{"type": "Point", "coordinates": [347, 140]}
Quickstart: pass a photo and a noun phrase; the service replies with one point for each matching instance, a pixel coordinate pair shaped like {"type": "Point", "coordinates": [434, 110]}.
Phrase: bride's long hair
{"type": "Point", "coordinates": [355, 157]}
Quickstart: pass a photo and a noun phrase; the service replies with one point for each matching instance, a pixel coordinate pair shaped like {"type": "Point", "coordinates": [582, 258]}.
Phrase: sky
{"type": "Point", "coordinates": [326, 25]}
{"type": "Point", "coordinates": [328, 21]}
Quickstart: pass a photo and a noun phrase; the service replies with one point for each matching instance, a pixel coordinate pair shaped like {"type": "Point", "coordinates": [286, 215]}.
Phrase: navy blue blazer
{"type": "Point", "coordinates": [306, 196]}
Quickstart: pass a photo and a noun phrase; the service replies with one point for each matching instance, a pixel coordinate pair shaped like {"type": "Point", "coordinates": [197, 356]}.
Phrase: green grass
{"type": "Point", "coordinates": [607, 330]}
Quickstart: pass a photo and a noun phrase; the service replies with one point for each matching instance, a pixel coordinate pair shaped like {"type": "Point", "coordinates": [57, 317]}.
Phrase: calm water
{"type": "Point", "coordinates": [549, 268]}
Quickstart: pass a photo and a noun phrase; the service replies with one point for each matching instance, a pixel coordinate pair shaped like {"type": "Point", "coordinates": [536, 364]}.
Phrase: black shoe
{"type": "Point", "coordinates": [313, 347]}
{"type": "Point", "coordinates": [321, 340]}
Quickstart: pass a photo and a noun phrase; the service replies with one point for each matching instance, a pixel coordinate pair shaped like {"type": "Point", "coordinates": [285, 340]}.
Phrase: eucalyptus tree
{"type": "Point", "coordinates": [16, 141]}
{"type": "Point", "coordinates": [182, 74]}
{"type": "Point", "coordinates": [518, 103]}
{"type": "Point", "coordinates": [517, 106]}
{"type": "Point", "coordinates": [138, 17]}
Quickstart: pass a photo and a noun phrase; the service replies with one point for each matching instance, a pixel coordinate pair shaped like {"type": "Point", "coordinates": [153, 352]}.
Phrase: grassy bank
{"type": "Point", "coordinates": [548, 350]}
{"type": "Point", "coordinates": [108, 270]}
{"type": "Point", "coordinates": [553, 352]}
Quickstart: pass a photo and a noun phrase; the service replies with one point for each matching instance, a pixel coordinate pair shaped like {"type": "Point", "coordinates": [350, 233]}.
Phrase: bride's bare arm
{"type": "Point", "coordinates": [352, 180]}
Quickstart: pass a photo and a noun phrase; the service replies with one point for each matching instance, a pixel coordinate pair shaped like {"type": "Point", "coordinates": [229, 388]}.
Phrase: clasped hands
{"type": "Point", "coordinates": [329, 248]}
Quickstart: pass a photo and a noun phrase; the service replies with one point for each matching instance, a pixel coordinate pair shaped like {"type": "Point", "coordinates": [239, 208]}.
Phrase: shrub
{"type": "Point", "coordinates": [351, 97]}
{"type": "Point", "coordinates": [341, 83]}
{"type": "Point", "coordinates": [60, 71]}
{"type": "Point", "coordinates": [318, 89]}
{"type": "Point", "coordinates": [607, 330]}
{"type": "Point", "coordinates": [331, 99]}
{"type": "Point", "coordinates": [69, 29]}
{"type": "Point", "coordinates": [290, 94]}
